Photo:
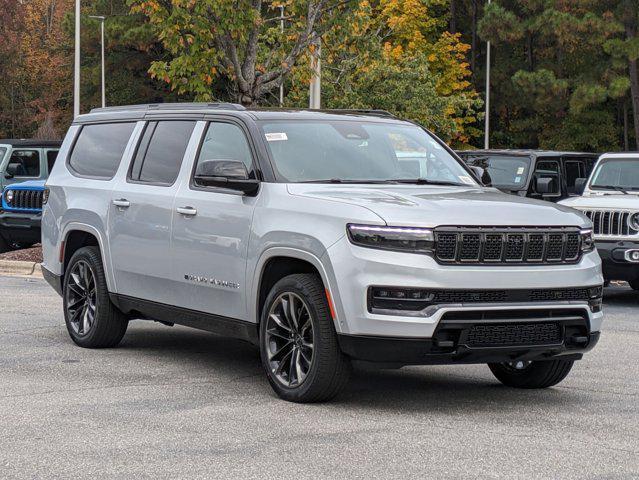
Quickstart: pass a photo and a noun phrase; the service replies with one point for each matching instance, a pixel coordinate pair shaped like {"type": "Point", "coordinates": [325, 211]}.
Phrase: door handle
{"type": "Point", "coordinates": [188, 211]}
{"type": "Point", "coordinates": [122, 203]}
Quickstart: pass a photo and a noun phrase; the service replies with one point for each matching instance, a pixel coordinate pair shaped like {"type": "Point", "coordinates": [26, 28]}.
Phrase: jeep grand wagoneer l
{"type": "Point", "coordinates": [322, 237]}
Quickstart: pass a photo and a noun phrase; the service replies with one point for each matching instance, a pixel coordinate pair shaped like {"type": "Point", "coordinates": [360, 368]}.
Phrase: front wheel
{"type": "Point", "coordinates": [522, 374]}
{"type": "Point", "coordinates": [298, 342]}
{"type": "Point", "coordinates": [92, 320]}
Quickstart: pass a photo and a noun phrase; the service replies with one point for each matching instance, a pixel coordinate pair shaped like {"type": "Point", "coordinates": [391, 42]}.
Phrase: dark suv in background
{"type": "Point", "coordinates": [540, 174]}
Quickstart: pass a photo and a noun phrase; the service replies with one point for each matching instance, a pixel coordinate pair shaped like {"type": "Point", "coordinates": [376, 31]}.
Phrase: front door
{"type": "Point", "coordinates": [141, 211]}
{"type": "Point", "coordinates": [211, 230]}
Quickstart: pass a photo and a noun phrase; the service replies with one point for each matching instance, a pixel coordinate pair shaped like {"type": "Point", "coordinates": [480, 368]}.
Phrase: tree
{"type": "Point", "coordinates": [397, 55]}
{"type": "Point", "coordinates": [556, 80]}
{"type": "Point", "coordinates": [235, 41]}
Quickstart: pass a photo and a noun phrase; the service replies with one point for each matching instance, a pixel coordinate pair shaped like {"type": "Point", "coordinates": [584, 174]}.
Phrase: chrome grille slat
{"type": "Point", "coordinates": [611, 223]}
{"type": "Point", "coordinates": [497, 245]}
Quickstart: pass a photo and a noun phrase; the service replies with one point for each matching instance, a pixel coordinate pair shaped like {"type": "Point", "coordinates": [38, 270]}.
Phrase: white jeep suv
{"type": "Point", "coordinates": [320, 236]}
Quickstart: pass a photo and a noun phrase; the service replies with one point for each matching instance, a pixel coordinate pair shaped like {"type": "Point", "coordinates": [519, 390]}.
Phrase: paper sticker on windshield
{"type": "Point", "coordinates": [520, 170]}
{"type": "Point", "coordinates": [517, 179]}
{"type": "Point", "coordinates": [276, 137]}
{"type": "Point", "coordinates": [466, 180]}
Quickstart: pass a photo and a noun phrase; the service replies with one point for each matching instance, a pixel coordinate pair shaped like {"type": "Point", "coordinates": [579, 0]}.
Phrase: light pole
{"type": "Point", "coordinates": [315, 97]}
{"type": "Point", "coordinates": [282, 78]}
{"type": "Point", "coordinates": [76, 64]}
{"type": "Point", "coordinates": [102, 18]}
{"type": "Point", "coordinates": [487, 122]}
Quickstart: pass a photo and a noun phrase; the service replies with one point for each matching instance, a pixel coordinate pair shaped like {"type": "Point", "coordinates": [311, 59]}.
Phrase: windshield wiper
{"type": "Point", "coordinates": [425, 181]}
{"type": "Point", "coordinates": [612, 187]}
{"type": "Point", "coordinates": [340, 180]}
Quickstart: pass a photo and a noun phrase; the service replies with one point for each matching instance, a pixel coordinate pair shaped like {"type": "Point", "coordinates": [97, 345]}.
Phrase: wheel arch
{"type": "Point", "coordinates": [78, 235]}
{"type": "Point", "coordinates": [278, 262]}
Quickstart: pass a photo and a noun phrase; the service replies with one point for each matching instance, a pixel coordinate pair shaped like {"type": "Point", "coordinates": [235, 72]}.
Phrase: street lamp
{"type": "Point", "coordinates": [76, 63]}
{"type": "Point", "coordinates": [101, 18]}
{"type": "Point", "coordinates": [487, 122]}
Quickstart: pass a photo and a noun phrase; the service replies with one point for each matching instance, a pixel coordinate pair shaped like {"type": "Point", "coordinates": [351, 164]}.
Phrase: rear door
{"type": "Point", "coordinates": [211, 230]}
{"type": "Point", "coordinates": [141, 211]}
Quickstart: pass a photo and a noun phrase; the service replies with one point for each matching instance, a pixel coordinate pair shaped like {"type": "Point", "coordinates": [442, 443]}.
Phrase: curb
{"type": "Point", "coordinates": [13, 267]}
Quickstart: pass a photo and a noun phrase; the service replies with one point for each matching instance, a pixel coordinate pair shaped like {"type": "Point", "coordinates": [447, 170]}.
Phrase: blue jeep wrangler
{"type": "Point", "coordinates": [20, 215]}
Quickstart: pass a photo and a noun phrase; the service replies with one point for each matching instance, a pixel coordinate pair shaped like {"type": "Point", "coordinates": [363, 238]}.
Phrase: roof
{"type": "Point", "coordinates": [27, 142]}
{"type": "Point", "coordinates": [138, 112]}
{"type": "Point", "coordinates": [527, 152]}
{"type": "Point", "coordinates": [631, 155]}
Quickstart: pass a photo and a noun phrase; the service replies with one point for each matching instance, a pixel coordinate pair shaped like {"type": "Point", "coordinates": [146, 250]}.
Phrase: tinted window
{"type": "Point", "coordinates": [52, 155]}
{"type": "Point", "coordinates": [27, 163]}
{"type": "Point", "coordinates": [549, 169]}
{"type": "Point", "coordinates": [226, 141]}
{"type": "Point", "coordinates": [574, 170]}
{"type": "Point", "coordinates": [99, 148]}
{"type": "Point", "coordinates": [161, 151]}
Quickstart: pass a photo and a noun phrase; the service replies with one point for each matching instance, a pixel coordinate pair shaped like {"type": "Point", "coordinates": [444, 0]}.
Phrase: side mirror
{"type": "Point", "coordinates": [481, 175]}
{"type": "Point", "coordinates": [545, 185]}
{"type": "Point", "coordinates": [580, 185]}
{"type": "Point", "coordinates": [231, 174]}
{"type": "Point", "coordinates": [13, 169]}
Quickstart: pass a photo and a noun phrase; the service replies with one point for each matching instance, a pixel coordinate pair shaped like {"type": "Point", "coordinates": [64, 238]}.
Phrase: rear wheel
{"type": "Point", "coordinates": [521, 374]}
{"type": "Point", "coordinates": [4, 245]}
{"type": "Point", "coordinates": [92, 320]}
{"type": "Point", "coordinates": [298, 342]}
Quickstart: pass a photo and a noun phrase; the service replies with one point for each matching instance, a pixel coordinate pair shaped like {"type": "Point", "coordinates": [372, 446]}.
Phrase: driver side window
{"type": "Point", "coordinates": [226, 141]}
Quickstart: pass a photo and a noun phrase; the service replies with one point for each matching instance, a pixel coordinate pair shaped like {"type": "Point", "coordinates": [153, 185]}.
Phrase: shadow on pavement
{"type": "Point", "coordinates": [433, 388]}
{"type": "Point", "coordinates": [621, 296]}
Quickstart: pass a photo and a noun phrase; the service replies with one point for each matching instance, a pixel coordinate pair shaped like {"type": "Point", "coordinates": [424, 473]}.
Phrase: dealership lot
{"type": "Point", "coordinates": [179, 403]}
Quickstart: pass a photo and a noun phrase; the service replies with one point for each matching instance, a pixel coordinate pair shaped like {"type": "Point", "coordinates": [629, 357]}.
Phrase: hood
{"type": "Point", "coordinates": [432, 206]}
{"type": "Point", "coordinates": [31, 184]}
{"type": "Point", "coordinates": [612, 202]}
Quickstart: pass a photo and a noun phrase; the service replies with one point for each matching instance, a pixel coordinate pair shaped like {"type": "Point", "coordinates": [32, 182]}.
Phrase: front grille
{"type": "Point", "coordinates": [392, 298]}
{"type": "Point", "coordinates": [514, 334]}
{"type": "Point", "coordinates": [26, 200]}
{"type": "Point", "coordinates": [611, 223]}
{"type": "Point", "coordinates": [507, 246]}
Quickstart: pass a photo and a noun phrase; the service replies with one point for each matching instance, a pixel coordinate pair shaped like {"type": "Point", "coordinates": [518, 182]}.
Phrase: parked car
{"type": "Point", "coordinates": [305, 233]}
{"type": "Point", "coordinates": [23, 161]}
{"type": "Point", "coordinates": [611, 200]}
{"type": "Point", "coordinates": [537, 174]}
{"type": "Point", "coordinates": [21, 214]}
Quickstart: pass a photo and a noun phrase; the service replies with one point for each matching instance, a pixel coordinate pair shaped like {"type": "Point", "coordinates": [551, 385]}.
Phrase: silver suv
{"type": "Point", "coordinates": [321, 236]}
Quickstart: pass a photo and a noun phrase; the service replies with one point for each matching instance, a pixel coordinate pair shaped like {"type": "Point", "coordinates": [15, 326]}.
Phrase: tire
{"type": "Point", "coordinates": [542, 374]}
{"type": "Point", "coordinates": [4, 245]}
{"type": "Point", "coordinates": [634, 284]}
{"type": "Point", "coordinates": [108, 324]}
{"type": "Point", "coordinates": [308, 376]}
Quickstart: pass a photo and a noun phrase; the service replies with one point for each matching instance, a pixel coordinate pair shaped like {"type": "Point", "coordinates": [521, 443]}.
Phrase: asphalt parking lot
{"type": "Point", "coordinates": [179, 403]}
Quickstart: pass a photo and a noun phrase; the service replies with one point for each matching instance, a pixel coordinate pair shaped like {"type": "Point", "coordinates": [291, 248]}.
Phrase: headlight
{"type": "Point", "coordinates": [633, 220]}
{"type": "Point", "coordinates": [587, 241]}
{"type": "Point", "coordinates": [400, 239]}
{"type": "Point", "coordinates": [8, 196]}
{"type": "Point", "coordinates": [45, 196]}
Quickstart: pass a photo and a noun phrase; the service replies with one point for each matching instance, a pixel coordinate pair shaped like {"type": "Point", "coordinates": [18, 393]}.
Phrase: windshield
{"type": "Point", "coordinates": [507, 173]}
{"type": "Point", "coordinates": [616, 174]}
{"type": "Point", "coordinates": [360, 152]}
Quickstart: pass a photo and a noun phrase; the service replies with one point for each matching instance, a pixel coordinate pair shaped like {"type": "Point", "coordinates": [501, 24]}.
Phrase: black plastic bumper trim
{"type": "Point", "coordinates": [416, 351]}
{"type": "Point", "coordinates": [54, 280]}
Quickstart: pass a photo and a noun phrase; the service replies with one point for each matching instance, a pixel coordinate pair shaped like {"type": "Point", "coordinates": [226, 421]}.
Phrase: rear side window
{"type": "Point", "coordinates": [161, 150]}
{"type": "Point", "coordinates": [52, 155]}
{"type": "Point", "coordinates": [99, 148]}
{"type": "Point", "coordinates": [26, 163]}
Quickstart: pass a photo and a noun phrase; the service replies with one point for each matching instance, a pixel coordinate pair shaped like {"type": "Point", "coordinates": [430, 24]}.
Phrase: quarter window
{"type": "Point", "coordinates": [99, 149]}
{"type": "Point", "coordinates": [52, 155]}
{"type": "Point", "coordinates": [161, 150]}
{"type": "Point", "coordinates": [26, 162]}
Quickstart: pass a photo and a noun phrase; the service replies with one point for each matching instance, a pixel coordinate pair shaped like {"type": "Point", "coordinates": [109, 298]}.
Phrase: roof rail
{"type": "Point", "coordinates": [362, 111]}
{"type": "Point", "coordinates": [171, 106]}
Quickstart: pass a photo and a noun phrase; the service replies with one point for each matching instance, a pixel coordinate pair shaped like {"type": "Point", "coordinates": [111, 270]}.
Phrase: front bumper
{"type": "Point", "coordinates": [20, 227]}
{"type": "Point", "coordinates": [410, 351]}
{"type": "Point", "coordinates": [615, 262]}
{"type": "Point", "coordinates": [354, 269]}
